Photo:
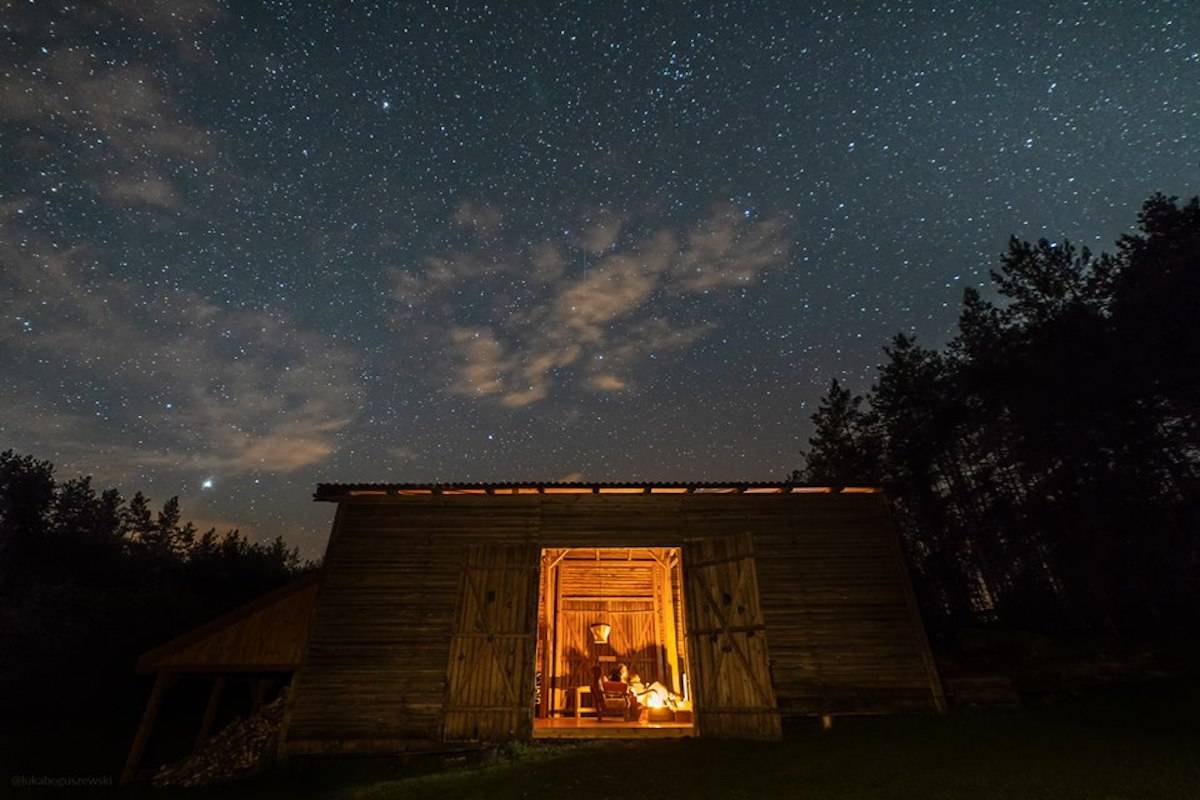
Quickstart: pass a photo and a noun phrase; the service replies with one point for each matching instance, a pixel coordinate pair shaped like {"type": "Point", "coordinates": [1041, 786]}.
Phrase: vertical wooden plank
{"type": "Point", "coordinates": [526, 660]}
{"type": "Point", "coordinates": [670, 641]}
{"type": "Point", "coordinates": [681, 647]}
{"type": "Point", "coordinates": [489, 694]}
{"type": "Point", "coordinates": [659, 633]}
{"type": "Point", "coordinates": [735, 697]}
{"type": "Point", "coordinates": [210, 710]}
{"type": "Point", "coordinates": [162, 682]}
{"type": "Point", "coordinates": [560, 692]}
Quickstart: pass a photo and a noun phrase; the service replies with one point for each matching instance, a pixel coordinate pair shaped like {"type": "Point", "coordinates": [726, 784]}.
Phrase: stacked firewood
{"type": "Point", "coordinates": [237, 751]}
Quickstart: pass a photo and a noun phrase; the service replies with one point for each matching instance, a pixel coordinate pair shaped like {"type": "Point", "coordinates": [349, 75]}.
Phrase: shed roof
{"type": "Point", "coordinates": [266, 634]}
{"type": "Point", "coordinates": [339, 491]}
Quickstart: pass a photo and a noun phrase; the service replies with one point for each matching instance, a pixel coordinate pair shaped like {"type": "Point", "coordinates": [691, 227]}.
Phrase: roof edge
{"type": "Point", "coordinates": [334, 492]}
{"type": "Point", "coordinates": [149, 660]}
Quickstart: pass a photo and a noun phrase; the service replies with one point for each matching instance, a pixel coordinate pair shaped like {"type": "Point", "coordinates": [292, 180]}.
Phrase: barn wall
{"type": "Point", "coordinates": [840, 625]}
{"type": "Point", "coordinates": [374, 674]}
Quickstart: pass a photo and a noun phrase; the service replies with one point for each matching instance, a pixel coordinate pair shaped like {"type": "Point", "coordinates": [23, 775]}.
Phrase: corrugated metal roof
{"type": "Point", "coordinates": [336, 491]}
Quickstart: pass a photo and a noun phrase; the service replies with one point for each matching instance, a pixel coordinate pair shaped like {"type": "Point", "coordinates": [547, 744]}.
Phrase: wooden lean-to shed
{"type": "Point", "coordinates": [258, 644]}
{"type": "Point", "coordinates": [461, 612]}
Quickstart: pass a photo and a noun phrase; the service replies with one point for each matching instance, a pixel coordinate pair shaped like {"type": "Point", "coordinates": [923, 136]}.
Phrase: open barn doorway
{"type": "Point", "coordinates": [601, 609]}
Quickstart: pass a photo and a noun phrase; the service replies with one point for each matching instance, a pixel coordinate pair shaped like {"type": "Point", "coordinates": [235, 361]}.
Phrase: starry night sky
{"type": "Point", "coordinates": [248, 247]}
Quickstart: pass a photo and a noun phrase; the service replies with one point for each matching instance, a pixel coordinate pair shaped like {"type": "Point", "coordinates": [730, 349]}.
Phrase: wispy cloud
{"type": "Point", "coordinates": [482, 219]}
{"type": "Point", "coordinates": [584, 309]}
{"type": "Point", "coordinates": [118, 124]}
{"type": "Point", "coordinates": [149, 191]}
{"type": "Point", "coordinates": [198, 386]}
{"type": "Point", "coordinates": [601, 232]}
{"type": "Point", "coordinates": [727, 250]}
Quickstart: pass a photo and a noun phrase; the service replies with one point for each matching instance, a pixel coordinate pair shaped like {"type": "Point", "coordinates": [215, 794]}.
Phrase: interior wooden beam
{"type": "Point", "coordinates": [555, 561]}
{"type": "Point", "coordinates": [662, 562]}
{"type": "Point", "coordinates": [670, 641]}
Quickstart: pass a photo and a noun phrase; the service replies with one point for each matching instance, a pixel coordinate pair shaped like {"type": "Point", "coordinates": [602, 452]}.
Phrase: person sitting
{"type": "Point", "coordinates": [642, 691]}
{"type": "Point", "coordinates": [610, 697]}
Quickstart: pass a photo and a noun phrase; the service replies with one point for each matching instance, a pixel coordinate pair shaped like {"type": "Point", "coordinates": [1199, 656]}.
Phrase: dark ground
{"type": "Point", "coordinates": [1125, 745]}
{"type": "Point", "coordinates": [1119, 743]}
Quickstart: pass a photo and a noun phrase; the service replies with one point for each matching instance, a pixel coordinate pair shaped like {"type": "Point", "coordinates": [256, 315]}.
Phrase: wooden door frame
{"type": "Point", "coordinates": [679, 611]}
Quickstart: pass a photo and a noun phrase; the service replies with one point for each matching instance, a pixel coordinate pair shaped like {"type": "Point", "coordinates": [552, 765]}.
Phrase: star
{"type": "Point", "coordinates": [555, 251]}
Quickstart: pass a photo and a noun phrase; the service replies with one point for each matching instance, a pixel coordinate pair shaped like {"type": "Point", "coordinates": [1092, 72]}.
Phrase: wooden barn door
{"type": "Point", "coordinates": [727, 640]}
{"type": "Point", "coordinates": [489, 680]}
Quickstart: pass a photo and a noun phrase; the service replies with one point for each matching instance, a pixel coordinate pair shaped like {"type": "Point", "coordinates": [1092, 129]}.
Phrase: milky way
{"type": "Point", "coordinates": [246, 248]}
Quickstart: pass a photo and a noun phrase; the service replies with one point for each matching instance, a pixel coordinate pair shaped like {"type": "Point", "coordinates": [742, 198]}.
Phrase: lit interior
{"type": "Point", "coordinates": [604, 608]}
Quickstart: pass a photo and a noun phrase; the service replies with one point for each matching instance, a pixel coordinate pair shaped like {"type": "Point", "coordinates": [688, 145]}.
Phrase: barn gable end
{"type": "Point", "coordinates": [840, 620]}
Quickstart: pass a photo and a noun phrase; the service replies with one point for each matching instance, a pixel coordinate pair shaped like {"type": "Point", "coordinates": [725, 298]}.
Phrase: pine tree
{"type": "Point", "coordinates": [26, 494]}
{"type": "Point", "coordinates": [138, 521]}
{"type": "Point", "coordinates": [845, 447]}
{"type": "Point", "coordinates": [164, 536]}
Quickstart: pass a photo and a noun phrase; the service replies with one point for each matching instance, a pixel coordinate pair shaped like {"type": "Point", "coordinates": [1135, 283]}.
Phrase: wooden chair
{"type": "Point", "coordinates": [612, 698]}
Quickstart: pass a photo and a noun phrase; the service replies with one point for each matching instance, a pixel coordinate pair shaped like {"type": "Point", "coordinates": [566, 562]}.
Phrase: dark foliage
{"type": "Point", "coordinates": [846, 442]}
{"type": "Point", "coordinates": [88, 581]}
{"type": "Point", "coordinates": [1045, 466]}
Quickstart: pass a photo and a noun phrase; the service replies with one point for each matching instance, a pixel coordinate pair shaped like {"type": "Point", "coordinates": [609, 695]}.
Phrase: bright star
{"type": "Point", "coordinates": [208, 483]}
{"type": "Point", "coordinates": [386, 105]}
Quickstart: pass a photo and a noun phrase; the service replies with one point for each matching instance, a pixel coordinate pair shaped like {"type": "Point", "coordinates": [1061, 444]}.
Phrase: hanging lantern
{"type": "Point", "coordinates": [600, 632]}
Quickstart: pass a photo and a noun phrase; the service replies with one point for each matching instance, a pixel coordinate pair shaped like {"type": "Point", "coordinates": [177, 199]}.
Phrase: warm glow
{"type": "Point", "coordinates": [600, 632]}
{"type": "Point", "coordinates": [600, 607]}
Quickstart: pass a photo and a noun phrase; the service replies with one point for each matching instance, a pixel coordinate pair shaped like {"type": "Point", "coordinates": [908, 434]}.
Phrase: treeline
{"type": "Point", "coordinates": [1045, 465]}
{"type": "Point", "coordinates": [89, 580]}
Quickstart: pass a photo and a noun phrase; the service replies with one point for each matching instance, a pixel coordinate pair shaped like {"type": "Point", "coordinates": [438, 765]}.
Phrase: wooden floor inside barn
{"type": "Point", "coordinates": [590, 728]}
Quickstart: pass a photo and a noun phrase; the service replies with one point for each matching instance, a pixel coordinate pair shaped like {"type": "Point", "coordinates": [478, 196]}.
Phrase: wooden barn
{"type": "Point", "coordinates": [488, 612]}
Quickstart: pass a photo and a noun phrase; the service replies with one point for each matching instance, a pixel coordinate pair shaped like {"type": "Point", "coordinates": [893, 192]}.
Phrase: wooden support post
{"type": "Point", "coordinates": [826, 722]}
{"type": "Point", "coordinates": [670, 640]}
{"type": "Point", "coordinates": [210, 711]}
{"type": "Point", "coordinates": [161, 683]}
{"type": "Point", "coordinates": [258, 692]}
{"type": "Point", "coordinates": [660, 635]}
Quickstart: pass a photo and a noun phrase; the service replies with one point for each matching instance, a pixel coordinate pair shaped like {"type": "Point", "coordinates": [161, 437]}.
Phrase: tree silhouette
{"type": "Point", "coordinates": [86, 578]}
{"type": "Point", "coordinates": [845, 445]}
{"type": "Point", "coordinates": [1045, 465]}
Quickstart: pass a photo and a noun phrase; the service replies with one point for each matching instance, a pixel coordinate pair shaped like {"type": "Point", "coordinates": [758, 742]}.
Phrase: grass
{"type": "Point", "coordinates": [1120, 745]}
